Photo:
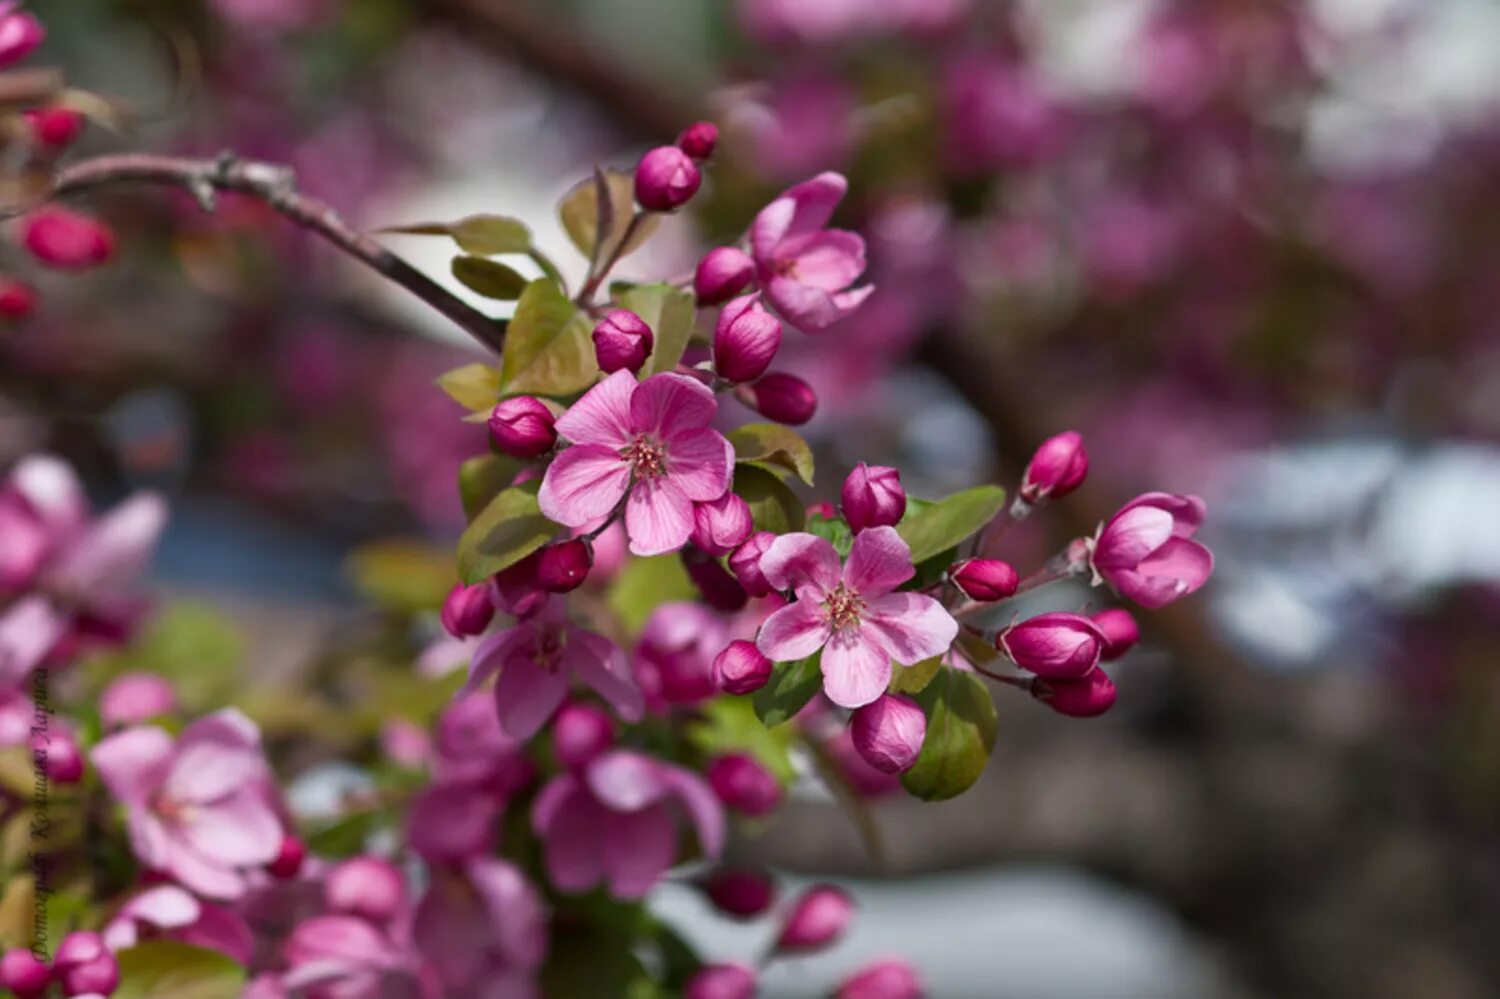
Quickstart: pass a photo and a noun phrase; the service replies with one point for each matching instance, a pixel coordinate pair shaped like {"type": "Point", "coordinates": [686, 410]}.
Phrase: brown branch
{"type": "Point", "coordinates": [276, 186]}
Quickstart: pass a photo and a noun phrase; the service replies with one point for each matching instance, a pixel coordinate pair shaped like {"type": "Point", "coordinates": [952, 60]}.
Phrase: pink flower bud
{"type": "Point", "coordinates": [985, 579]}
{"type": "Point", "coordinates": [873, 497]}
{"type": "Point", "coordinates": [289, 858]}
{"type": "Point", "coordinates": [581, 732]}
{"type": "Point", "coordinates": [83, 964]}
{"type": "Point", "coordinates": [740, 892]}
{"type": "Point", "coordinates": [746, 338]}
{"type": "Point", "coordinates": [1120, 632]}
{"type": "Point", "coordinates": [64, 761]}
{"type": "Point", "coordinates": [622, 341]}
{"type": "Point", "coordinates": [698, 139]}
{"type": "Point", "coordinates": [1087, 697]}
{"type": "Point", "coordinates": [720, 590]}
{"type": "Point", "coordinates": [891, 978]}
{"type": "Point", "coordinates": [1147, 552]}
{"type": "Point", "coordinates": [723, 273]}
{"type": "Point", "coordinates": [61, 238]}
{"type": "Point", "coordinates": [20, 34]}
{"type": "Point", "coordinates": [819, 916]}
{"type": "Point", "coordinates": [468, 610]}
{"type": "Point", "coordinates": [517, 591]}
{"type": "Point", "coordinates": [741, 669]}
{"type": "Point", "coordinates": [564, 566]}
{"type": "Point", "coordinates": [781, 397]}
{"type": "Point", "coordinates": [888, 732]}
{"type": "Point", "coordinates": [822, 508]}
{"type": "Point", "coordinates": [23, 974]}
{"type": "Point", "coordinates": [54, 129]}
{"type": "Point", "coordinates": [522, 427]}
{"type": "Point", "coordinates": [17, 299]}
{"type": "Point", "coordinates": [665, 179]}
{"type": "Point", "coordinates": [132, 698]}
{"type": "Point", "coordinates": [745, 563]}
{"type": "Point", "coordinates": [368, 887]}
{"type": "Point", "coordinates": [1058, 646]}
{"type": "Point", "coordinates": [744, 784]}
{"type": "Point", "coordinates": [723, 525]}
{"type": "Point", "coordinates": [721, 981]}
{"type": "Point", "coordinates": [1058, 467]}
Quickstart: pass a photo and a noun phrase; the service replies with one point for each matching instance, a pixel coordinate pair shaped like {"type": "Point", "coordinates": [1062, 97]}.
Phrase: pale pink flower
{"type": "Point", "coordinates": [169, 912]}
{"type": "Point", "coordinates": [804, 268]}
{"type": "Point", "coordinates": [854, 615]}
{"type": "Point", "coordinates": [483, 924]}
{"type": "Point", "coordinates": [648, 443]}
{"type": "Point", "coordinates": [345, 957]}
{"type": "Point", "coordinates": [1146, 551]}
{"type": "Point", "coordinates": [199, 808]}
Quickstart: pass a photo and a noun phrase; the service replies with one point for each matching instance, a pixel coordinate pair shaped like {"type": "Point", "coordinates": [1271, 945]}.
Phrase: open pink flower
{"type": "Point", "coordinates": [1146, 551]}
{"type": "Point", "coordinates": [804, 268]}
{"type": "Point", "coordinates": [651, 441]}
{"type": "Point", "coordinates": [854, 615]}
{"type": "Point", "coordinates": [482, 924]}
{"type": "Point", "coordinates": [169, 912]}
{"type": "Point", "coordinates": [345, 957]}
{"type": "Point", "coordinates": [534, 661]}
{"type": "Point", "coordinates": [614, 822]}
{"type": "Point", "coordinates": [199, 808]}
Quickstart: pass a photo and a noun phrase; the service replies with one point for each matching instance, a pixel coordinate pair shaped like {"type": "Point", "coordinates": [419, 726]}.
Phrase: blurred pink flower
{"type": "Point", "coordinates": [483, 925]}
{"type": "Point", "coordinates": [345, 957]}
{"type": "Point", "coordinates": [804, 268]}
{"type": "Point", "coordinates": [674, 657]}
{"type": "Point", "coordinates": [169, 912]}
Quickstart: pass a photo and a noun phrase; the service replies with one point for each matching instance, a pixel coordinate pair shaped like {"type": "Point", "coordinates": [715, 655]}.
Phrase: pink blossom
{"type": "Point", "coordinates": [614, 823]}
{"type": "Point", "coordinates": [1146, 551]}
{"type": "Point", "coordinates": [723, 273]}
{"type": "Point", "coordinates": [345, 957]}
{"type": "Point", "coordinates": [675, 654]}
{"type": "Point", "coordinates": [1059, 466]}
{"type": "Point", "coordinates": [1057, 645]}
{"type": "Point", "coordinates": [723, 525]}
{"type": "Point", "coordinates": [483, 924]}
{"type": "Point", "coordinates": [83, 964]}
{"type": "Point", "coordinates": [997, 115]}
{"type": "Point", "coordinates": [649, 444]}
{"type": "Point", "coordinates": [66, 239]}
{"type": "Point", "coordinates": [888, 732]}
{"type": "Point", "coordinates": [580, 733]}
{"type": "Point", "coordinates": [369, 887]}
{"type": "Point", "coordinates": [470, 747]}
{"type": "Point", "coordinates": [198, 808]}
{"type": "Point", "coordinates": [804, 268]}
{"type": "Point", "coordinates": [873, 497]}
{"type": "Point", "coordinates": [1087, 697]}
{"type": "Point", "coordinates": [855, 616]}
{"type": "Point", "coordinates": [535, 659]}
{"type": "Point", "coordinates": [169, 912]}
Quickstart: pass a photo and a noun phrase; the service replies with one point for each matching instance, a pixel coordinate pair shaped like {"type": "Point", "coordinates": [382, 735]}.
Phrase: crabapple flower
{"type": "Point", "coordinates": [985, 579]}
{"type": "Point", "coordinates": [746, 338]}
{"type": "Point", "coordinates": [580, 732]}
{"type": "Point", "coordinates": [535, 659]}
{"type": "Point", "coordinates": [698, 139]}
{"type": "Point", "coordinates": [891, 978]}
{"type": "Point", "coordinates": [854, 615]}
{"type": "Point", "coordinates": [66, 239]}
{"type": "Point", "coordinates": [522, 427]}
{"type": "Point", "coordinates": [721, 981]}
{"type": "Point", "coordinates": [20, 33]}
{"type": "Point", "coordinates": [665, 179]}
{"type": "Point", "coordinates": [338, 956]}
{"type": "Point", "coordinates": [1058, 646]}
{"type": "Point", "coordinates": [744, 784]}
{"type": "Point", "coordinates": [23, 973]}
{"type": "Point", "coordinates": [739, 892]}
{"type": "Point", "coordinates": [83, 964]}
{"type": "Point", "coordinates": [741, 669]}
{"type": "Point", "coordinates": [873, 497]}
{"type": "Point", "coordinates": [470, 748]}
{"type": "Point", "coordinates": [368, 887]}
{"type": "Point", "coordinates": [781, 397]}
{"type": "Point", "coordinates": [483, 927]}
{"type": "Point", "coordinates": [805, 268]}
{"type": "Point", "coordinates": [199, 808]}
{"type": "Point", "coordinates": [1146, 552]}
{"type": "Point", "coordinates": [888, 732]}
{"type": "Point", "coordinates": [723, 273]}
{"type": "Point", "coordinates": [468, 610]}
{"type": "Point", "coordinates": [1120, 632]}
{"type": "Point", "coordinates": [622, 341]}
{"type": "Point", "coordinates": [744, 562]}
{"type": "Point", "coordinates": [818, 917]}
{"type": "Point", "coordinates": [1086, 697]}
{"type": "Point", "coordinates": [648, 443]}
{"type": "Point", "coordinates": [132, 698]}
{"type": "Point", "coordinates": [675, 654]}
{"type": "Point", "coordinates": [169, 912]}
{"type": "Point", "coordinates": [1059, 466]}
{"type": "Point", "coordinates": [614, 823]}
{"type": "Point", "coordinates": [721, 526]}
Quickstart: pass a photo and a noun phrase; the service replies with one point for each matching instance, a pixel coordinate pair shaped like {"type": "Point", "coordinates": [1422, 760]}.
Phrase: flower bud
{"type": "Point", "coordinates": [517, 591]}
{"type": "Point", "coordinates": [723, 525]}
{"type": "Point", "coordinates": [23, 973]}
{"type": "Point", "coordinates": [64, 760]}
{"type": "Point", "coordinates": [781, 397]}
{"type": "Point", "coordinates": [985, 579]}
{"type": "Point", "coordinates": [698, 139]}
{"type": "Point", "coordinates": [1058, 467]}
{"type": "Point", "coordinates": [873, 497]}
{"type": "Point", "coordinates": [61, 238]}
{"type": "Point", "coordinates": [1058, 646]}
{"type": "Point", "coordinates": [54, 129]}
{"type": "Point", "coordinates": [581, 732]}
{"type": "Point", "coordinates": [721, 981]}
{"type": "Point", "coordinates": [622, 341]}
{"type": "Point", "coordinates": [1087, 697]}
{"type": "Point", "coordinates": [522, 427]}
{"type": "Point", "coordinates": [744, 784]}
{"type": "Point", "coordinates": [891, 978]}
{"type": "Point", "coordinates": [888, 732]}
{"type": "Point", "coordinates": [1120, 632]}
{"type": "Point", "coordinates": [132, 698]}
{"type": "Point", "coordinates": [368, 887]}
{"type": "Point", "coordinates": [564, 566]}
{"type": "Point", "coordinates": [17, 299]}
{"type": "Point", "coordinates": [20, 34]}
{"type": "Point", "coordinates": [468, 610]}
{"type": "Point", "coordinates": [741, 668]}
{"type": "Point", "coordinates": [740, 892]}
{"type": "Point", "coordinates": [819, 916]}
{"type": "Point", "coordinates": [723, 273]}
{"type": "Point", "coordinates": [720, 590]}
{"type": "Point", "coordinates": [746, 338]}
{"type": "Point", "coordinates": [744, 562]}
{"type": "Point", "coordinates": [289, 858]}
{"type": "Point", "coordinates": [665, 179]}
{"type": "Point", "coordinates": [83, 964]}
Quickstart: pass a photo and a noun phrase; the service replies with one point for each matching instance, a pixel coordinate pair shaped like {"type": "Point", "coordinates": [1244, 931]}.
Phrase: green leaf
{"type": "Point", "coordinates": [835, 530]}
{"type": "Point", "coordinates": [476, 387]}
{"type": "Point", "coordinates": [489, 278]}
{"type": "Point", "coordinates": [774, 444]}
{"type": "Point", "coordinates": [914, 679]}
{"type": "Point", "coordinates": [481, 478]}
{"type": "Point", "coordinates": [505, 532]}
{"type": "Point", "coordinates": [579, 210]}
{"type": "Point", "coordinates": [730, 725]}
{"type": "Point", "coordinates": [773, 505]}
{"type": "Point", "coordinates": [669, 313]}
{"type": "Point", "coordinates": [401, 574]}
{"type": "Point", "coordinates": [961, 727]}
{"type": "Point", "coordinates": [166, 969]}
{"type": "Point", "coordinates": [547, 348]}
{"type": "Point", "coordinates": [932, 528]}
{"type": "Point", "coordinates": [644, 584]}
{"type": "Point", "coordinates": [791, 686]}
{"type": "Point", "coordinates": [486, 235]}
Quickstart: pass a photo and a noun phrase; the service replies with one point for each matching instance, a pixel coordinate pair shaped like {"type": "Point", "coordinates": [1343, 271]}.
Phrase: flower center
{"type": "Point", "coordinates": [647, 458]}
{"type": "Point", "coordinates": [842, 607]}
{"type": "Point", "coordinates": [171, 810]}
{"type": "Point", "coordinates": [546, 652]}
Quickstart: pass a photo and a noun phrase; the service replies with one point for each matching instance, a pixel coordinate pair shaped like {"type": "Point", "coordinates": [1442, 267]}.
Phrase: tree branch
{"type": "Point", "coordinates": [277, 187]}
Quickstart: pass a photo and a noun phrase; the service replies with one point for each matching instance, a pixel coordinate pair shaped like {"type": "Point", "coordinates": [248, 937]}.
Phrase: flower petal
{"type": "Point", "coordinates": [670, 404]}
{"type": "Point", "coordinates": [115, 550]}
{"type": "Point", "coordinates": [793, 632]}
{"type": "Point", "coordinates": [627, 781]}
{"type": "Point", "coordinates": [199, 873]}
{"type": "Point", "coordinates": [238, 831]}
{"type": "Point", "coordinates": [602, 416]}
{"type": "Point", "coordinates": [909, 627]}
{"type": "Point", "coordinates": [216, 756]}
{"type": "Point", "coordinates": [703, 807]}
{"type": "Point", "coordinates": [491, 655]}
{"type": "Point", "coordinates": [639, 849]}
{"type": "Point", "coordinates": [134, 763]}
{"type": "Point", "coordinates": [802, 209]}
{"type": "Point", "coordinates": [599, 663]}
{"type": "Point", "coordinates": [29, 629]}
{"type": "Point", "coordinates": [700, 463]}
{"type": "Point", "coordinates": [831, 260]}
{"type": "Point", "coordinates": [879, 562]}
{"type": "Point", "coordinates": [575, 840]}
{"type": "Point", "coordinates": [584, 482]}
{"type": "Point", "coordinates": [855, 670]}
{"type": "Point", "coordinates": [526, 695]}
{"type": "Point", "coordinates": [803, 562]}
{"type": "Point", "coordinates": [658, 517]}
{"type": "Point", "coordinates": [1179, 567]}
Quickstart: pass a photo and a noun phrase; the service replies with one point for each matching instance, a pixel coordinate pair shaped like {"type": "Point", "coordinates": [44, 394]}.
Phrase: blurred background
{"type": "Point", "coordinates": [1250, 248]}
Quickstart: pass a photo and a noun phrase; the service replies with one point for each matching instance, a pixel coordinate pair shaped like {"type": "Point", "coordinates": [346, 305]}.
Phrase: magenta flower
{"type": "Point", "coordinates": [169, 912]}
{"type": "Point", "coordinates": [614, 822]}
{"type": "Point", "coordinates": [534, 660]}
{"type": "Point", "coordinates": [854, 615]}
{"type": "Point", "coordinates": [804, 268]}
{"type": "Point", "coordinates": [649, 443]}
{"type": "Point", "coordinates": [198, 809]}
{"type": "Point", "coordinates": [675, 654]}
{"type": "Point", "coordinates": [345, 957]}
{"type": "Point", "coordinates": [1146, 551]}
{"type": "Point", "coordinates": [484, 928]}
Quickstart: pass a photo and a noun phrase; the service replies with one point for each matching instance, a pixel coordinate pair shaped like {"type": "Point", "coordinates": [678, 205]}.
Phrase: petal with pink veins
{"type": "Point", "coordinates": [793, 632]}
{"type": "Point", "coordinates": [700, 462]}
{"type": "Point", "coordinates": [238, 831]}
{"type": "Point", "coordinates": [582, 483]}
{"type": "Point", "coordinates": [831, 260]}
{"type": "Point", "coordinates": [602, 416]}
{"type": "Point", "coordinates": [134, 763]}
{"type": "Point", "coordinates": [802, 562]}
{"type": "Point", "coordinates": [909, 627]}
{"type": "Point", "coordinates": [639, 849]}
{"type": "Point", "coordinates": [669, 405]}
{"type": "Point", "coordinates": [658, 517]}
{"type": "Point", "coordinates": [855, 670]}
{"type": "Point", "coordinates": [879, 562]}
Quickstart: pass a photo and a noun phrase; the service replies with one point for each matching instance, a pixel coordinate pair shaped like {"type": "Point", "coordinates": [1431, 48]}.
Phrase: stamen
{"type": "Point", "coordinates": [843, 607]}
{"type": "Point", "coordinates": [647, 458]}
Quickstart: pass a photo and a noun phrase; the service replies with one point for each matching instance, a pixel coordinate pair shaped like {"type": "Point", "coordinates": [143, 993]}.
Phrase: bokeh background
{"type": "Point", "coordinates": [1250, 248]}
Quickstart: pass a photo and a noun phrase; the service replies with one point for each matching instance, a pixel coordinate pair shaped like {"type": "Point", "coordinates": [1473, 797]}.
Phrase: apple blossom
{"type": "Point", "coordinates": [1057, 645]}
{"type": "Point", "coordinates": [23, 973]}
{"type": "Point", "coordinates": [873, 497]}
{"type": "Point", "coordinates": [744, 784]}
{"type": "Point", "coordinates": [564, 566]}
{"type": "Point", "coordinates": [888, 732]}
{"type": "Point", "coordinates": [723, 273]}
{"type": "Point", "coordinates": [1120, 632]}
{"type": "Point", "coordinates": [698, 139]}
{"type": "Point", "coordinates": [522, 427]}
{"type": "Point", "coordinates": [66, 239]}
{"type": "Point", "coordinates": [739, 892]}
{"type": "Point", "coordinates": [622, 341]}
{"type": "Point", "coordinates": [721, 981]}
{"type": "Point", "coordinates": [722, 525]}
{"type": "Point", "coordinates": [781, 397]}
{"type": "Point", "coordinates": [468, 610]}
{"type": "Point", "coordinates": [744, 562]}
{"type": "Point", "coordinates": [366, 886]}
{"type": "Point", "coordinates": [580, 732]}
{"type": "Point", "coordinates": [17, 299]}
{"type": "Point", "coordinates": [985, 579]}
{"type": "Point", "coordinates": [1146, 551]}
{"type": "Point", "coordinates": [132, 698]}
{"type": "Point", "coordinates": [84, 964]}
{"type": "Point", "coordinates": [20, 33]}
{"type": "Point", "coordinates": [1091, 695]}
{"type": "Point", "coordinates": [746, 338]}
{"type": "Point", "coordinates": [482, 926]}
{"type": "Point", "coordinates": [666, 179]}
{"type": "Point", "coordinates": [741, 668]}
{"type": "Point", "coordinates": [804, 268]}
{"type": "Point", "coordinates": [890, 978]}
{"type": "Point", "coordinates": [168, 911]}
